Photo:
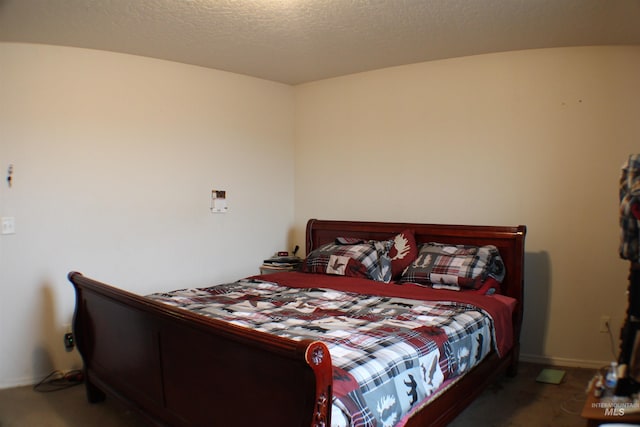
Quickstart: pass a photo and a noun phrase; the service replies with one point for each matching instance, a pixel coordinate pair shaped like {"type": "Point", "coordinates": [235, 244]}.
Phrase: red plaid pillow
{"type": "Point", "coordinates": [369, 259]}
{"type": "Point", "coordinates": [455, 266]}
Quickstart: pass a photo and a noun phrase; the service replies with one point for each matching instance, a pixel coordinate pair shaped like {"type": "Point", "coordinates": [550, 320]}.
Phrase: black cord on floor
{"type": "Point", "coordinates": [58, 380]}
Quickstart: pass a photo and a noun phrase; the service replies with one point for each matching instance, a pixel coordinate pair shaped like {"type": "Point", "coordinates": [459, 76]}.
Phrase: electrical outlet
{"type": "Point", "coordinates": [605, 323]}
{"type": "Point", "coordinates": [69, 340]}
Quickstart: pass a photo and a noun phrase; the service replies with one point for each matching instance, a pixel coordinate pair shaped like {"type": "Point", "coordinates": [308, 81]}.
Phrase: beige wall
{"type": "Point", "coordinates": [531, 137]}
{"type": "Point", "coordinates": [114, 160]}
{"type": "Point", "coordinates": [115, 157]}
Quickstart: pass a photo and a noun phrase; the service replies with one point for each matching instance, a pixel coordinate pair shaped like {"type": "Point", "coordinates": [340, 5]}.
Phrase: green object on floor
{"type": "Point", "coordinates": [550, 376]}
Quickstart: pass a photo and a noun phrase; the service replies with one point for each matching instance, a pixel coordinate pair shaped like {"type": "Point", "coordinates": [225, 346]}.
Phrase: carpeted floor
{"type": "Point", "coordinates": [519, 401]}
{"type": "Point", "coordinates": [523, 402]}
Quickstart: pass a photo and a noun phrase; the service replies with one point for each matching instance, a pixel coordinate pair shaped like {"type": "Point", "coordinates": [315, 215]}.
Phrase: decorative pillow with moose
{"type": "Point", "coordinates": [403, 251]}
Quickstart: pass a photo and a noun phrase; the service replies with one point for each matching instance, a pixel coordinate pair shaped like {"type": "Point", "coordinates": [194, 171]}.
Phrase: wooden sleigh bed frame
{"type": "Point", "coordinates": [165, 362]}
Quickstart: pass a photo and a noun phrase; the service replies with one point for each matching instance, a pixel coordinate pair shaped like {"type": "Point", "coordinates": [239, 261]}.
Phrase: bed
{"type": "Point", "coordinates": [181, 367]}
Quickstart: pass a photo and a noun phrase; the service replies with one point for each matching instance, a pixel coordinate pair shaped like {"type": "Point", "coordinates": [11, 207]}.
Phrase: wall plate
{"type": "Point", "coordinates": [8, 225]}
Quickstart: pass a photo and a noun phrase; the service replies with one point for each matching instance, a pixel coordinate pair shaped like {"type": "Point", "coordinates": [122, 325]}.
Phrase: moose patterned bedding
{"type": "Point", "coordinates": [393, 347]}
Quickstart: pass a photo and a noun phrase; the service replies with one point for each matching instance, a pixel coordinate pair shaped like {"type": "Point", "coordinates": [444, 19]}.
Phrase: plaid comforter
{"type": "Point", "coordinates": [389, 354]}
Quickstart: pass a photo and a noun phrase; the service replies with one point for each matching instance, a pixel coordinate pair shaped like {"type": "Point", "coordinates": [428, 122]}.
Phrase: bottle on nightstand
{"type": "Point", "coordinates": [611, 378]}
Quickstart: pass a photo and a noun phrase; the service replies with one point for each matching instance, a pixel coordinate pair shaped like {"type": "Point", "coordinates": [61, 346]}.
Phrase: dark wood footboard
{"type": "Point", "coordinates": [181, 369]}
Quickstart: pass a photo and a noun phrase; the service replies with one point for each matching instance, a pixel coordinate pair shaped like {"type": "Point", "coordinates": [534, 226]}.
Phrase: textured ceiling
{"type": "Point", "coordinates": [296, 41]}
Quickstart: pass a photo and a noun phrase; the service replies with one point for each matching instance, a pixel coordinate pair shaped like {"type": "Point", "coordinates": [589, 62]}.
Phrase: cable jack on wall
{"type": "Point", "coordinates": [219, 201]}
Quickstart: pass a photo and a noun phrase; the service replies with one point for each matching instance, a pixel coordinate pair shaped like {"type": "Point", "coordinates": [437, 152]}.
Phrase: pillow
{"type": "Point", "coordinates": [369, 259]}
{"type": "Point", "coordinates": [403, 252]}
{"type": "Point", "coordinates": [455, 266]}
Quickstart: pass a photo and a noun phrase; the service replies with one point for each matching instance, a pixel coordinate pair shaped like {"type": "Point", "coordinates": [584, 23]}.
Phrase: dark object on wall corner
{"type": "Point", "coordinates": [629, 194]}
{"type": "Point", "coordinates": [630, 250]}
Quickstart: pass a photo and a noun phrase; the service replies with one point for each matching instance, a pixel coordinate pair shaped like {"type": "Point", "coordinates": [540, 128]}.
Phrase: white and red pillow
{"type": "Point", "coordinates": [403, 252]}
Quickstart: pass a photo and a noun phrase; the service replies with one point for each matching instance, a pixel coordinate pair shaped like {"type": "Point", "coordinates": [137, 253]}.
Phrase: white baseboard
{"type": "Point", "coordinates": [18, 383]}
{"type": "Point", "coordinates": [563, 361]}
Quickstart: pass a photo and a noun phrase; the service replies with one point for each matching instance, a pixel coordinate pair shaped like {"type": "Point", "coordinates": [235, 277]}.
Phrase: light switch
{"type": "Point", "coordinates": [8, 225]}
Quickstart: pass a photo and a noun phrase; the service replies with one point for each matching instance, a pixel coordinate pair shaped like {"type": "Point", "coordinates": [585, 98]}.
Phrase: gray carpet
{"type": "Point", "coordinates": [519, 401]}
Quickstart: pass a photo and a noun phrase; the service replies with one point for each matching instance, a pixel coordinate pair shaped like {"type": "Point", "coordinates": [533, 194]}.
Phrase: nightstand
{"type": "Point", "coordinates": [281, 264]}
{"type": "Point", "coordinates": [603, 411]}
